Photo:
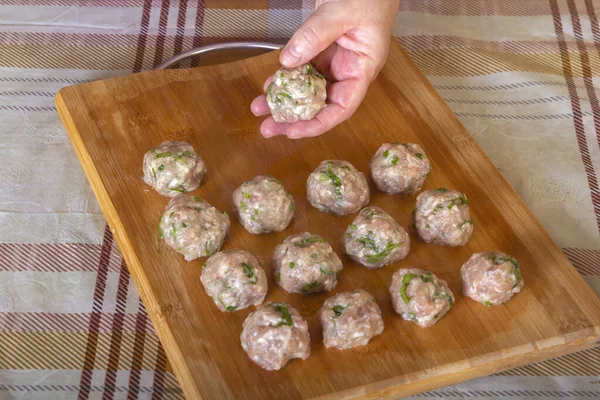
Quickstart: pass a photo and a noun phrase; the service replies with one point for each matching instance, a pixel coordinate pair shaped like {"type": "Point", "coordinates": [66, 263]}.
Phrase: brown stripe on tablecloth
{"type": "Point", "coordinates": [583, 363]}
{"type": "Point", "coordinates": [142, 38]}
{"type": "Point", "coordinates": [591, 12]}
{"type": "Point", "coordinates": [199, 27]}
{"type": "Point", "coordinates": [585, 66]}
{"type": "Point", "coordinates": [586, 261]}
{"type": "Point", "coordinates": [577, 117]}
{"type": "Point", "coordinates": [138, 352]}
{"type": "Point", "coordinates": [159, 373]}
{"type": "Point", "coordinates": [162, 32]}
{"type": "Point", "coordinates": [71, 3]}
{"type": "Point", "coordinates": [63, 322]}
{"type": "Point", "coordinates": [117, 334]}
{"type": "Point", "coordinates": [178, 46]}
{"type": "Point", "coordinates": [92, 342]}
{"type": "Point", "coordinates": [511, 8]}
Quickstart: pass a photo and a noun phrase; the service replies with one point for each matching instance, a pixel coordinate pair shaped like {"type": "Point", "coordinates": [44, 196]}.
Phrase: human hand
{"type": "Point", "coordinates": [348, 42]}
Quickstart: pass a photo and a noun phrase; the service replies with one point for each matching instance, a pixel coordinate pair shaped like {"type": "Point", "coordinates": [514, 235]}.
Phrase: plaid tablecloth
{"type": "Point", "coordinates": [522, 75]}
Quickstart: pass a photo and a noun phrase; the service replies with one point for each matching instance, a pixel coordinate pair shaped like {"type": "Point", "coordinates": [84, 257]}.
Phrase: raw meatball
{"type": "Point", "coordinates": [193, 227]}
{"type": "Point", "coordinates": [173, 168]}
{"type": "Point", "coordinates": [306, 263]}
{"type": "Point", "coordinates": [374, 239]}
{"type": "Point", "coordinates": [337, 187]}
{"type": "Point", "coordinates": [399, 168]}
{"type": "Point", "coordinates": [491, 278]}
{"type": "Point", "coordinates": [350, 319]}
{"type": "Point", "coordinates": [420, 296]}
{"type": "Point", "coordinates": [296, 94]}
{"type": "Point", "coordinates": [234, 280]}
{"type": "Point", "coordinates": [263, 205]}
{"type": "Point", "coordinates": [442, 216]}
{"type": "Point", "coordinates": [274, 334]}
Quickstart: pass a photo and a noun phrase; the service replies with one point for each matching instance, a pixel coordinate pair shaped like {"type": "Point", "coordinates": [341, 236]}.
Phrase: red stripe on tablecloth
{"type": "Point", "coordinates": [64, 322]}
{"type": "Point", "coordinates": [51, 257]}
{"type": "Point", "coordinates": [92, 342]}
{"type": "Point", "coordinates": [577, 117]}
{"type": "Point", "coordinates": [116, 335]}
{"type": "Point", "coordinates": [159, 373]}
{"type": "Point", "coordinates": [586, 261]}
{"type": "Point", "coordinates": [138, 351]}
{"type": "Point", "coordinates": [142, 38]}
{"type": "Point", "coordinates": [586, 67]}
{"type": "Point", "coordinates": [198, 31]}
{"type": "Point", "coordinates": [162, 32]}
{"type": "Point", "coordinates": [178, 46]}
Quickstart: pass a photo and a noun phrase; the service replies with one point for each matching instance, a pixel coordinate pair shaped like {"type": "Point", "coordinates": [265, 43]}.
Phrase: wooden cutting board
{"type": "Point", "coordinates": [112, 123]}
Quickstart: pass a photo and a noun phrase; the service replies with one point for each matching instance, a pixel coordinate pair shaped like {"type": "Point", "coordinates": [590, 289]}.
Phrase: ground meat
{"type": "Point", "coordinates": [374, 239]}
{"type": "Point", "coordinates": [442, 216]}
{"type": "Point", "coordinates": [350, 319]}
{"type": "Point", "coordinates": [263, 205]}
{"type": "Point", "coordinates": [306, 263]}
{"type": "Point", "coordinates": [491, 278]}
{"type": "Point", "coordinates": [337, 187]}
{"type": "Point", "coordinates": [234, 280]}
{"type": "Point", "coordinates": [420, 296]}
{"type": "Point", "coordinates": [173, 168]}
{"type": "Point", "coordinates": [296, 94]}
{"type": "Point", "coordinates": [193, 227]}
{"type": "Point", "coordinates": [274, 334]}
{"type": "Point", "coordinates": [399, 168]}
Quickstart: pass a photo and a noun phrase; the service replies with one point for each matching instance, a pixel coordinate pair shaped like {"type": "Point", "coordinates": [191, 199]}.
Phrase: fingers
{"type": "Point", "coordinates": [320, 30]}
{"type": "Point", "coordinates": [259, 106]}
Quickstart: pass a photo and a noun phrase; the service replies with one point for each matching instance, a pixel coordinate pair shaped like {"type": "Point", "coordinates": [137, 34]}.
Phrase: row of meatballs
{"type": "Point", "coordinates": [276, 333]}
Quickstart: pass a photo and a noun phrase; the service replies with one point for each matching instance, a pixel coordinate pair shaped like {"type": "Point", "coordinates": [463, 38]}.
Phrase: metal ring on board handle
{"type": "Point", "coordinates": [217, 47]}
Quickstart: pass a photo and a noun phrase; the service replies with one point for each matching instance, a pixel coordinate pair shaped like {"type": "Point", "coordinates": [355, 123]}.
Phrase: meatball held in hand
{"type": "Point", "coordinates": [337, 187]}
{"type": "Point", "coordinates": [173, 168]}
{"type": "Point", "coordinates": [442, 216]}
{"type": "Point", "coordinates": [491, 278]}
{"type": "Point", "coordinates": [193, 227]}
{"type": "Point", "coordinates": [234, 280]}
{"type": "Point", "coordinates": [306, 263]}
{"type": "Point", "coordinates": [263, 205]}
{"type": "Point", "coordinates": [420, 296]}
{"type": "Point", "coordinates": [350, 319]}
{"type": "Point", "coordinates": [274, 334]}
{"type": "Point", "coordinates": [399, 168]}
{"type": "Point", "coordinates": [374, 239]}
{"type": "Point", "coordinates": [296, 94]}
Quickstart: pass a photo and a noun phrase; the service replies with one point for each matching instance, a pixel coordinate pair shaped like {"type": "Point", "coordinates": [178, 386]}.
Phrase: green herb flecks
{"type": "Point", "coordinates": [444, 296]}
{"type": "Point", "coordinates": [179, 189]}
{"type": "Point", "coordinates": [173, 230]}
{"type": "Point", "coordinates": [368, 242]}
{"type": "Point", "coordinates": [386, 153]}
{"type": "Point", "coordinates": [419, 155]}
{"type": "Point", "coordinates": [285, 314]}
{"type": "Point", "coordinates": [426, 277]}
{"type": "Point", "coordinates": [172, 213]}
{"type": "Point", "coordinates": [243, 206]}
{"type": "Point", "coordinates": [338, 310]}
{"type": "Point", "coordinates": [325, 271]}
{"type": "Point", "coordinates": [308, 241]}
{"type": "Point", "coordinates": [161, 168]}
{"type": "Point", "coordinates": [154, 173]}
{"type": "Point", "coordinates": [374, 258]}
{"type": "Point", "coordinates": [308, 286]}
{"type": "Point", "coordinates": [465, 222]}
{"type": "Point", "coordinates": [412, 316]}
{"type": "Point", "coordinates": [427, 226]}
{"type": "Point", "coordinates": [163, 155]}
{"type": "Point", "coordinates": [492, 257]}
{"type": "Point", "coordinates": [184, 225]}
{"type": "Point", "coordinates": [345, 168]}
{"type": "Point", "coordinates": [405, 282]}
{"type": "Point", "coordinates": [292, 265]}
{"type": "Point", "coordinates": [462, 199]}
{"type": "Point", "coordinates": [269, 88]}
{"type": "Point", "coordinates": [160, 231]}
{"type": "Point", "coordinates": [249, 272]}
{"type": "Point", "coordinates": [394, 160]}
{"type": "Point", "coordinates": [231, 308]}
{"type": "Point", "coordinates": [353, 227]}
{"type": "Point", "coordinates": [441, 190]}
{"type": "Point", "coordinates": [371, 214]}
{"type": "Point", "coordinates": [282, 95]}
{"type": "Point", "coordinates": [279, 277]}
{"type": "Point", "coordinates": [246, 195]}
{"type": "Point", "coordinates": [208, 251]}
{"type": "Point", "coordinates": [488, 304]}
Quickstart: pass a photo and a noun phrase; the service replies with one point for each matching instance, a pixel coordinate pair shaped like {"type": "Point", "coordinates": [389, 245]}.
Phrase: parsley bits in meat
{"type": "Point", "coordinates": [419, 296]}
{"type": "Point", "coordinates": [442, 216]}
{"type": "Point", "coordinates": [296, 94]}
{"type": "Point", "coordinates": [491, 278]}
{"type": "Point", "coordinates": [336, 186]}
{"type": "Point", "coordinates": [274, 334]}
{"type": "Point", "coordinates": [399, 168]}
{"type": "Point", "coordinates": [263, 205]}
{"type": "Point", "coordinates": [375, 239]}
{"type": "Point", "coordinates": [306, 263]}
{"type": "Point", "coordinates": [173, 168]}
{"type": "Point", "coordinates": [350, 319]}
{"type": "Point", "coordinates": [234, 280]}
{"type": "Point", "coordinates": [205, 227]}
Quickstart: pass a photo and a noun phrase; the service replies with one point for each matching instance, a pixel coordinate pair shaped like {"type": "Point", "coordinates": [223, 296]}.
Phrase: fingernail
{"type": "Point", "coordinates": [290, 56]}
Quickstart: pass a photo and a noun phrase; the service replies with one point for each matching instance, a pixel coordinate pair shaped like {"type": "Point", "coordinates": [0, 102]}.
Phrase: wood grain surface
{"type": "Point", "coordinates": [112, 123]}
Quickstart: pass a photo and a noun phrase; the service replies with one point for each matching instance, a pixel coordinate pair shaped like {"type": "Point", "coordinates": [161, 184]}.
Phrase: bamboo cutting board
{"type": "Point", "coordinates": [112, 123]}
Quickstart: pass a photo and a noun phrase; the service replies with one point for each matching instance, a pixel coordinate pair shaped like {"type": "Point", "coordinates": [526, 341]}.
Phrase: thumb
{"type": "Point", "coordinates": [321, 29]}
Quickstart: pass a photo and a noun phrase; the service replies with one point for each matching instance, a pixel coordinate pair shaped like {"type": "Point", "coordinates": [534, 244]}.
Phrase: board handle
{"type": "Point", "coordinates": [218, 47]}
